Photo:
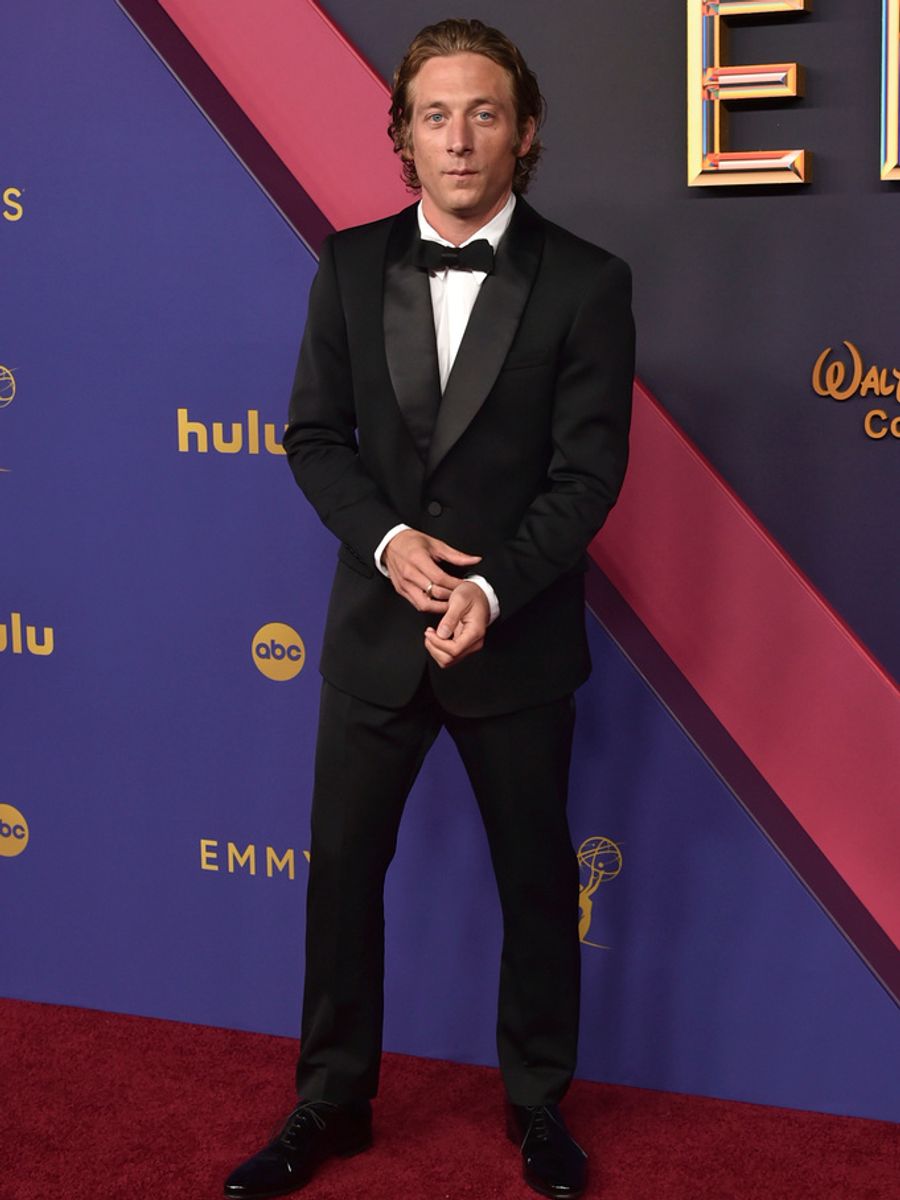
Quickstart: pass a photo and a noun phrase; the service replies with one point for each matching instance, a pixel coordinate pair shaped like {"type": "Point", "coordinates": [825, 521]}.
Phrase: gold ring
{"type": "Point", "coordinates": [428, 589]}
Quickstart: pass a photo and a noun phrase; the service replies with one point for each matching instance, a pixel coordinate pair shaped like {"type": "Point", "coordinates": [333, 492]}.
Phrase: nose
{"type": "Point", "coordinates": [458, 138]}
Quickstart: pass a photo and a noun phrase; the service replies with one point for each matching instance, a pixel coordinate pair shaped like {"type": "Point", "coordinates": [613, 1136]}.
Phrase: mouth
{"type": "Point", "coordinates": [460, 174]}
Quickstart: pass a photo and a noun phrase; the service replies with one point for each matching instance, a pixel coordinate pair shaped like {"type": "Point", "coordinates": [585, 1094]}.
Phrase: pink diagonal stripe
{"type": "Point", "coordinates": [321, 108]}
{"type": "Point", "coordinates": [807, 703]}
{"type": "Point", "coordinates": [790, 682]}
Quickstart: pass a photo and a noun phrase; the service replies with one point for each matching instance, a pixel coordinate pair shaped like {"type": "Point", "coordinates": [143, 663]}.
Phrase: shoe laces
{"type": "Point", "coordinates": [306, 1112]}
{"type": "Point", "coordinates": [540, 1122]}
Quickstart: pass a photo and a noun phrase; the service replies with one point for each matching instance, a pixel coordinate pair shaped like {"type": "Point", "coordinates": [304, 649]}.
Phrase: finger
{"type": "Point", "coordinates": [440, 656]}
{"type": "Point", "coordinates": [440, 651]}
{"type": "Point", "coordinates": [457, 646]}
{"type": "Point", "coordinates": [421, 574]}
{"type": "Point", "coordinates": [435, 591]}
{"type": "Point", "coordinates": [452, 624]}
{"type": "Point", "coordinates": [439, 578]}
{"type": "Point", "coordinates": [457, 608]}
{"type": "Point", "coordinates": [450, 554]}
{"type": "Point", "coordinates": [423, 602]}
{"type": "Point", "coordinates": [473, 649]}
{"type": "Point", "coordinates": [420, 593]}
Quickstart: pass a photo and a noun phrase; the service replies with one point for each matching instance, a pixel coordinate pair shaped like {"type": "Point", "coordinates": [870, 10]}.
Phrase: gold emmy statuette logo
{"type": "Point", "coordinates": [13, 831]}
{"type": "Point", "coordinates": [599, 861]}
{"type": "Point", "coordinates": [7, 394]}
{"type": "Point", "coordinates": [278, 651]}
{"type": "Point", "coordinates": [7, 386]}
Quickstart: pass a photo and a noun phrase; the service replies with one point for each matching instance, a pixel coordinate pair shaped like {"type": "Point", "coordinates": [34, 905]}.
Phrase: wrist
{"type": "Point", "coordinates": [381, 548]}
{"type": "Point", "coordinates": [490, 596]}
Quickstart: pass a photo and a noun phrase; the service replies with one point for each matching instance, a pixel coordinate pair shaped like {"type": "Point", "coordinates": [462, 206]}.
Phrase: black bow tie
{"type": "Point", "coordinates": [477, 256]}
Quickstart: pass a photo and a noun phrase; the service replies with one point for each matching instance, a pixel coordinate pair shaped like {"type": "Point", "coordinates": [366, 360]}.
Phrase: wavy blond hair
{"type": "Point", "coordinates": [456, 36]}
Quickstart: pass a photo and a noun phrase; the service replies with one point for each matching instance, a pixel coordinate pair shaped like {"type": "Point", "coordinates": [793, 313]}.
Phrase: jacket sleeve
{"type": "Point", "coordinates": [320, 440]}
{"type": "Point", "coordinates": [590, 423]}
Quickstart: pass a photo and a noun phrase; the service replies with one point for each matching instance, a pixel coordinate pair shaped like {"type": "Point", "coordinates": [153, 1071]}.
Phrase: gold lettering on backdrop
{"type": "Point", "coordinates": [832, 382]}
{"type": "Point", "coordinates": [240, 861]}
{"type": "Point", "coordinates": [11, 637]}
{"type": "Point", "coordinates": [248, 858]}
{"type": "Point", "coordinates": [274, 863]}
{"type": "Point", "coordinates": [209, 854]}
{"type": "Point", "coordinates": [12, 209]}
{"type": "Point", "coordinates": [713, 83]}
{"type": "Point", "coordinates": [838, 380]}
{"type": "Point", "coordinates": [877, 425]}
{"type": "Point", "coordinates": [890, 90]}
{"type": "Point", "coordinates": [194, 435]}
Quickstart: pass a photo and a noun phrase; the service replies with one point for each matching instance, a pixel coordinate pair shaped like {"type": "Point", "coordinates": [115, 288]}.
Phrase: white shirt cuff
{"type": "Point", "coordinates": [478, 580]}
{"type": "Point", "coordinates": [489, 592]}
{"type": "Point", "coordinates": [382, 546]}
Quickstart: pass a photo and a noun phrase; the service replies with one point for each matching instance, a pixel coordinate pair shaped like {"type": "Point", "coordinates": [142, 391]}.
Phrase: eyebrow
{"type": "Point", "coordinates": [471, 104]}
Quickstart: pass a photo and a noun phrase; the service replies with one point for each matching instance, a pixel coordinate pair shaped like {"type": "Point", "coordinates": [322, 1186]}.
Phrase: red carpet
{"type": "Point", "coordinates": [97, 1106]}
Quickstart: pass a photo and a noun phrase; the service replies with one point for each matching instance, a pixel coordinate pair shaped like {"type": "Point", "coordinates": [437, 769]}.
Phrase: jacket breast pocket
{"type": "Point", "coordinates": [352, 560]}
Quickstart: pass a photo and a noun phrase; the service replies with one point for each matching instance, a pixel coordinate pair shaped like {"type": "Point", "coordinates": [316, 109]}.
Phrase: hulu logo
{"type": "Point", "coordinates": [11, 637]}
{"type": "Point", "coordinates": [243, 435]}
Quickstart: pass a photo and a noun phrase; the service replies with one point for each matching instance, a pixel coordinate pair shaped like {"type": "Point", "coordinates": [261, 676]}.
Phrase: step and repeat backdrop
{"type": "Point", "coordinates": [163, 583]}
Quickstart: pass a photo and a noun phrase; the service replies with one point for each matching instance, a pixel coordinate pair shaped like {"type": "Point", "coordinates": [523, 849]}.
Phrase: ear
{"type": "Point", "coordinates": [526, 138]}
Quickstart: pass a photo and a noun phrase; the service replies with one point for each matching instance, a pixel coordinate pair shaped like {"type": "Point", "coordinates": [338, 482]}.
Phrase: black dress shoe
{"type": "Point", "coordinates": [552, 1161]}
{"type": "Point", "coordinates": [314, 1131]}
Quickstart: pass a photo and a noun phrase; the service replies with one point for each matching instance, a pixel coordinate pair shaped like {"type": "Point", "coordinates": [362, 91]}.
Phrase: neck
{"type": "Point", "coordinates": [457, 227]}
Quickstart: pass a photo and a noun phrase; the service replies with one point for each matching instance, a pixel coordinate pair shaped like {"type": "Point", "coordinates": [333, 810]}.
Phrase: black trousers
{"type": "Point", "coordinates": [367, 759]}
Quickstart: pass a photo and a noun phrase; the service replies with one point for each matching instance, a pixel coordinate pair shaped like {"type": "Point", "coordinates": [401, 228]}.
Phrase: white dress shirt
{"type": "Point", "coordinates": [453, 296]}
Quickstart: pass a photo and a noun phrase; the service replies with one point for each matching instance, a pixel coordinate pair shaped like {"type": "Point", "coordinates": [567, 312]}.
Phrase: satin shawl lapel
{"type": "Point", "coordinates": [409, 340]}
{"type": "Point", "coordinates": [490, 331]}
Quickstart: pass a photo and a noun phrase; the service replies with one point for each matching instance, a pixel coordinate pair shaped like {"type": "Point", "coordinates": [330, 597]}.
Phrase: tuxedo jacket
{"type": "Point", "coordinates": [519, 461]}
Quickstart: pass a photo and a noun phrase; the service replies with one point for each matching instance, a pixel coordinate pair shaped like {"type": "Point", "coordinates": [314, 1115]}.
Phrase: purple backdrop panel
{"type": "Point", "coordinates": [160, 279]}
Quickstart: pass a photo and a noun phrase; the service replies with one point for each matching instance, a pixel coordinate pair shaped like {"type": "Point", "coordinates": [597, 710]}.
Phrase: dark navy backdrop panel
{"type": "Point", "coordinates": [164, 774]}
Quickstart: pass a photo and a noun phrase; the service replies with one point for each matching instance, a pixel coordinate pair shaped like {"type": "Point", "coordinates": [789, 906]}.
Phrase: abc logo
{"type": "Point", "coordinates": [278, 651]}
{"type": "Point", "coordinates": [13, 831]}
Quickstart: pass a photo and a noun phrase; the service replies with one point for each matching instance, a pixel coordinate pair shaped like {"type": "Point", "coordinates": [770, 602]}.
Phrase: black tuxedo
{"type": "Point", "coordinates": [519, 461]}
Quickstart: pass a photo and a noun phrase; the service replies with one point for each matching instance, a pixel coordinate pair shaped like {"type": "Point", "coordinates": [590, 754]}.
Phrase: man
{"type": "Point", "coordinates": [459, 420]}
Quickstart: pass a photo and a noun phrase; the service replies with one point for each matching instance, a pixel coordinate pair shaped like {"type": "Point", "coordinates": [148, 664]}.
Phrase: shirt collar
{"type": "Point", "coordinates": [493, 230]}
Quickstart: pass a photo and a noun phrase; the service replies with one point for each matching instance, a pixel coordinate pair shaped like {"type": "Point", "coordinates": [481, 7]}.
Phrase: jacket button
{"type": "Point", "coordinates": [435, 508]}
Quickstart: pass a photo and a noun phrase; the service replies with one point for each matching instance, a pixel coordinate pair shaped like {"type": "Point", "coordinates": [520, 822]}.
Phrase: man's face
{"type": "Point", "coordinates": [463, 136]}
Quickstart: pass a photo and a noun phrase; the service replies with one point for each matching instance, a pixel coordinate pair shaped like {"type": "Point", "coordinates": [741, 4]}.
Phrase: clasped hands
{"type": "Point", "coordinates": [413, 562]}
